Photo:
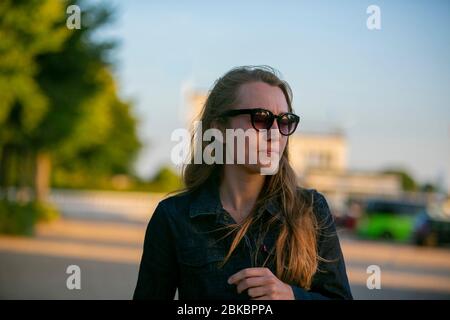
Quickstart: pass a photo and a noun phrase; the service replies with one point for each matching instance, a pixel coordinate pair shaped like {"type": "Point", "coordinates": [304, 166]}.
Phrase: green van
{"type": "Point", "coordinates": [389, 219]}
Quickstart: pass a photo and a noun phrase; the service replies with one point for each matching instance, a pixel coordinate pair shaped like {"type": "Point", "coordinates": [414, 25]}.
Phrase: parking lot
{"type": "Point", "coordinates": [108, 254]}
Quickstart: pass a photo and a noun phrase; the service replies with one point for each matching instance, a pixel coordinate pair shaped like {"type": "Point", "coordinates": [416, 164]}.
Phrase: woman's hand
{"type": "Point", "coordinates": [262, 284]}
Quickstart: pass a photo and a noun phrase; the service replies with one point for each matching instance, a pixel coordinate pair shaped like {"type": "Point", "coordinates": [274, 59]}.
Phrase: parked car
{"type": "Point", "coordinates": [432, 227]}
{"type": "Point", "coordinates": [349, 217]}
{"type": "Point", "coordinates": [389, 219]}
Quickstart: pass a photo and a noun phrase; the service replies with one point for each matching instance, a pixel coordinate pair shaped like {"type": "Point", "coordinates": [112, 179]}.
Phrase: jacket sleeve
{"type": "Point", "coordinates": [330, 281]}
{"type": "Point", "coordinates": [157, 277]}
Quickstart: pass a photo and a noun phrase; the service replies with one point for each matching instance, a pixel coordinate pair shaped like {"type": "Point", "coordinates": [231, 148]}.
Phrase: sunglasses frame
{"type": "Point", "coordinates": [253, 111]}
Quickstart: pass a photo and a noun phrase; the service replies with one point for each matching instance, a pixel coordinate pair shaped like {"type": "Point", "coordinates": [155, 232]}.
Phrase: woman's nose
{"type": "Point", "coordinates": [274, 125]}
{"type": "Point", "coordinates": [273, 135]}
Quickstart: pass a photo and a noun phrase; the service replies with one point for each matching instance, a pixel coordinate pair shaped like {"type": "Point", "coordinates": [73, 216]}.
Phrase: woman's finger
{"type": "Point", "coordinates": [265, 297]}
{"type": "Point", "coordinates": [256, 292]}
{"type": "Point", "coordinates": [248, 272]}
{"type": "Point", "coordinates": [252, 282]}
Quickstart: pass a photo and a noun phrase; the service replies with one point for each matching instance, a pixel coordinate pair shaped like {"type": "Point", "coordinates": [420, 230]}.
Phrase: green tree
{"type": "Point", "coordinates": [166, 180]}
{"type": "Point", "coordinates": [429, 187]}
{"type": "Point", "coordinates": [408, 182]}
{"type": "Point", "coordinates": [27, 29]}
{"type": "Point", "coordinates": [78, 120]}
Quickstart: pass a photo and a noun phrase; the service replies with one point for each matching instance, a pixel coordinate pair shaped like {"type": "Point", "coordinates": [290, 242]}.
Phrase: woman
{"type": "Point", "coordinates": [235, 233]}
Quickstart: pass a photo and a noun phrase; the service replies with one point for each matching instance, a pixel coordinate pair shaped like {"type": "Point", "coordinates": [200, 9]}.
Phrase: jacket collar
{"type": "Point", "coordinates": [207, 202]}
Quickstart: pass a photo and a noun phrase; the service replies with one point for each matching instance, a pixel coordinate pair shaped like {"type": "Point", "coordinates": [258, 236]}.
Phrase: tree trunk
{"type": "Point", "coordinates": [25, 165]}
{"type": "Point", "coordinates": [42, 175]}
{"type": "Point", "coordinates": [6, 175]}
{"type": "Point", "coordinates": [3, 182]}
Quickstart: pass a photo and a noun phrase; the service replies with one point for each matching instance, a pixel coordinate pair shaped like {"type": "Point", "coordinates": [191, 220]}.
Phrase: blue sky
{"type": "Point", "coordinates": [389, 89]}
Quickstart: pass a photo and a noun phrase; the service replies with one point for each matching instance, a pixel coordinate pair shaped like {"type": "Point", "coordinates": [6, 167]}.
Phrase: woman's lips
{"type": "Point", "coordinates": [270, 148]}
{"type": "Point", "coordinates": [269, 151]}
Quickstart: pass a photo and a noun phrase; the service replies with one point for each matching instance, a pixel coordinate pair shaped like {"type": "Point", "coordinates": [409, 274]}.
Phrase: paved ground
{"type": "Point", "coordinates": [108, 254]}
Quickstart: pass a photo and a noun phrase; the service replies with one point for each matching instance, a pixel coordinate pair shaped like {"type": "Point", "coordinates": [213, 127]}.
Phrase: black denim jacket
{"type": "Point", "coordinates": [183, 247]}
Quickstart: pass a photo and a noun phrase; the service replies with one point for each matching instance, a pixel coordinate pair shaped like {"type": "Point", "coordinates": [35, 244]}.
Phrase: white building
{"type": "Point", "coordinates": [320, 161]}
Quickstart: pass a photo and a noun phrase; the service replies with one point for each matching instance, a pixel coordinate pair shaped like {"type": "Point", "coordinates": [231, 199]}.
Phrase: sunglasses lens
{"type": "Point", "coordinates": [262, 120]}
{"type": "Point", "coordinates": [288, 124]}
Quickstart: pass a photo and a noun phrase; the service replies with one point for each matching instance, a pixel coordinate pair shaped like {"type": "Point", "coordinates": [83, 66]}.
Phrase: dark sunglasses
{"type": "Point", "coordinates": [263, 119]}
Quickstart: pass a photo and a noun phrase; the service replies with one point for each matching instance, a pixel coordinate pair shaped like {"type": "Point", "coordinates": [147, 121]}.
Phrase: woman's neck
{"type": "Point", "coordinates": [239, 191]}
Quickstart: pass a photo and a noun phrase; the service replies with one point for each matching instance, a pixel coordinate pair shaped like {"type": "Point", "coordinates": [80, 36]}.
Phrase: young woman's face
{"type": "Point", "coordinates": [260, 95]}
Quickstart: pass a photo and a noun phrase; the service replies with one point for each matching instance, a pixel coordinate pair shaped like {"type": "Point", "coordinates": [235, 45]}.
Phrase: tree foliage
{"type": "Point", "coordinates": [59, 104]}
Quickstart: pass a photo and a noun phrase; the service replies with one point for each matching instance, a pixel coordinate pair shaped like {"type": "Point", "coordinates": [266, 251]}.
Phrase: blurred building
{"type": "Point", "coordinates": [320, 162]}
{"type": "Point", "coordinates": [195, 100]}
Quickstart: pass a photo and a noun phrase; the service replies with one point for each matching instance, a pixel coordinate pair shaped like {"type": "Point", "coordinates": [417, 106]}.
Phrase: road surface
{"type": "Point", "coordinates": [107, 248]}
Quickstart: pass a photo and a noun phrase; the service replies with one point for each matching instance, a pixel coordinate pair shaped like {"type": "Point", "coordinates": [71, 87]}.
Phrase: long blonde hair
{"type": "Point", "coordinates": [296, 257]}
